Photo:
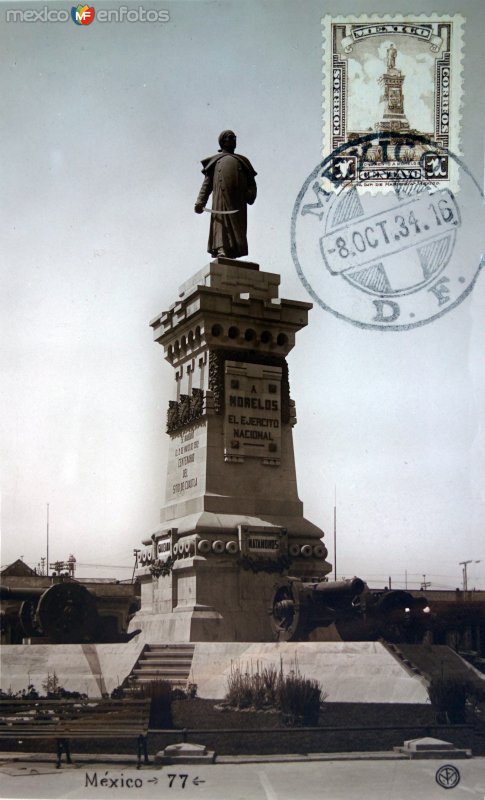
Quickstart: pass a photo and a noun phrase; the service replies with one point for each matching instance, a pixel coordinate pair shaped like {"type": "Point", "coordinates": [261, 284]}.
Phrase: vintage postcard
{"type": "Point", "coordinates": [399, 77]}
{"type": "Point", "coordinates": [242, 389]}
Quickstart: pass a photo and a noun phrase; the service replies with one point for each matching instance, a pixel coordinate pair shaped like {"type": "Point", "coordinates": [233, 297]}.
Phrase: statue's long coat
{"type": "Point", "coordinates": [230, 178]}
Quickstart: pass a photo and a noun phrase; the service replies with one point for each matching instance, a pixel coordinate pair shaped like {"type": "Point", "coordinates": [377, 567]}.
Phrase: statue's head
{"type": "Point", "coordinates": [227, 141]}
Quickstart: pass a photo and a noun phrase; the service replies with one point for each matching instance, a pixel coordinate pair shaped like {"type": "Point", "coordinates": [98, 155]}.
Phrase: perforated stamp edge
{"type": "Point", "coordinates": [444, 30]}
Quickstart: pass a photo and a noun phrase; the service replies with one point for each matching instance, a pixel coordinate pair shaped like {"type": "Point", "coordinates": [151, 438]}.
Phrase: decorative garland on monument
{"type": "Point", "coordinates": [187, 410]}
{"type": "Point", "coordinates": [162, 567]}
{"type": "Point", "coordinates": [265, 564]}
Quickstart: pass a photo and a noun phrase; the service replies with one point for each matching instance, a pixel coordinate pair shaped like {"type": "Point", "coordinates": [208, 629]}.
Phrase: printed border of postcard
{"type": "Point", "coordinates": [394, 73]}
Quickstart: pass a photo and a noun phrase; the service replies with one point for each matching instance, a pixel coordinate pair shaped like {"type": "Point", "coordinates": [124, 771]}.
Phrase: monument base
{"type": "Point", "coordinates": [207, 601]}
{"type": "Point", "coordinates": [351, 672]}
{"type": "Point", "coordinates": [232, 525]}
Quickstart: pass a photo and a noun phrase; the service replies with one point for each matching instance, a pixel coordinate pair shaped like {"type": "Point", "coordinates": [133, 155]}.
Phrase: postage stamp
{"type": "Point", "coordinates": [394, 74]}
{"type": "Point", "coordinates": [393, 259]}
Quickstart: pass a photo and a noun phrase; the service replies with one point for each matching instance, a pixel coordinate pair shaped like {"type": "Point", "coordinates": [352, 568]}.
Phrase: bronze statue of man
{"type": "Point", "coordinates": [391, 56]}
{"type": "Point", "coordinates": [230, 178]}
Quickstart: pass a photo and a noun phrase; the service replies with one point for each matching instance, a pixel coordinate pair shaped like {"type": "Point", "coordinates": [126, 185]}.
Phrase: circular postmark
{"type": "Point", "coordinates": [380, 237]}
{"type": "Point", "coordinates": [447, 776]}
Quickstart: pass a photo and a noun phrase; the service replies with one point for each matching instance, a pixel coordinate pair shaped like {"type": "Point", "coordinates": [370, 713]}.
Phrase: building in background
{"type": "Point", "coordinates": [57, 609]}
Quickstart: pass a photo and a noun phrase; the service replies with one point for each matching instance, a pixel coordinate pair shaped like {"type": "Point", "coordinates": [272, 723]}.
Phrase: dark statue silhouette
{"type": "Point", "coordinates": [229, 176]}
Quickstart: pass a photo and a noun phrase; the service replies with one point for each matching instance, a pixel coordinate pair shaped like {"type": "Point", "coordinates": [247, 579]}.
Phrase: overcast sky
{"type": "Point", "coordinates": [103, 129]}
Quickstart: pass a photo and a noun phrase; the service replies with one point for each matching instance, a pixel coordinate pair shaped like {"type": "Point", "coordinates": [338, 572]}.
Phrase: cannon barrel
{"type": "Point", "coordinates": [350, 587]}
{"type": "Point", "coordinates": [300, 607]}
{"type": "Point", "coordinates": [359, 612]}
{"type": "Point", "coordinates": [9, 593]}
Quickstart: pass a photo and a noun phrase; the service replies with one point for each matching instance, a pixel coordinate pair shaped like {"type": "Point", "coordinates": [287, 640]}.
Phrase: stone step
{"type": "Point", "coordinates": [189, 647]}
{"type": "Point", "coordinates": [141, 671]}
{"type": "Point", "coordinates": [179, 682]}
{"type": "Point", "coordinates": [149, 682]}
{"type": "Point", "coordinates": [177, 663]}
{"type": "Point", "coordinates": [172, 649]}
{"type": "Point", "coordinates": [167, 662]}
{"type": "Point", "coordinates": [168, 655]}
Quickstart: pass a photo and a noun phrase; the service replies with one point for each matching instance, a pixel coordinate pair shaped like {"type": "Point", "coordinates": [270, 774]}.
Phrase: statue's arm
{"type": "Point", "coordinates": [251, 190]}
{"type": "Point", "coordinates": [203, 195]}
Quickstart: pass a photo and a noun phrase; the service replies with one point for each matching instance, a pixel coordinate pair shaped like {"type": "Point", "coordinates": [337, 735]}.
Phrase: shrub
{"type": "Point", "coordinates": [448, 698]}
{"type": "Point", "coordinates": [54, 690]}
{"type": "Point", "coordinates": [51, 685]}
{"type": "Point", "coordinates": [160, 693]}
{"type": "Point", "coordinates": [298, 698]}
{"type": "Point", "coordinates": [239, 688]}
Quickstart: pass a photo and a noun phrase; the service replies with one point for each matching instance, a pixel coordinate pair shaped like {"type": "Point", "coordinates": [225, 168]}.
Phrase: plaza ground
{"type": "Point", "coordinates": [378, 776]}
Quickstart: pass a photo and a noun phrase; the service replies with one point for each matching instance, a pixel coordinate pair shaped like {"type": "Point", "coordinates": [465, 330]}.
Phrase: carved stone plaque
{"type": "Point", "coordinates": [252, 414]}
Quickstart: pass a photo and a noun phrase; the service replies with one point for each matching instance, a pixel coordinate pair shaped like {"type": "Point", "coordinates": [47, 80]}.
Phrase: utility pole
{"type": "Point", "coordinates": [424, 583]}
{"type": "Point", "coordinates": [464, 564]}
{"type": "Point", "coordinates": [47, 533]}
{"type": "Point", "coordinates": [136, 553]}
{"type": "Point", "coordinates": [335, 533]}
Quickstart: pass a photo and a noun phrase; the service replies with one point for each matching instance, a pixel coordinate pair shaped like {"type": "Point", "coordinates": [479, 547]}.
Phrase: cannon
{"type": "Point", "coordinates": [298, 607]}
{"type": "Point", "coordinates": [358, 612]}
{"type": "Point", "coordinates": [65, 612]}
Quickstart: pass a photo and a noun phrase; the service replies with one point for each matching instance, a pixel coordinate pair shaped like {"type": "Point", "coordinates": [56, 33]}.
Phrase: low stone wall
{"type": "Point", "coordinates": [343, 727]}
{"type": "Point", "coordinates": [269, 742]}
{"type": "Point", "coordinates": [314, 740]}
{"type": "Point", "coordinates": [203, 714]}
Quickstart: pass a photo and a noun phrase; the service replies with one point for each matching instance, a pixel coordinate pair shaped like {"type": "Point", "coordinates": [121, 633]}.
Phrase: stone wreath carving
{"type": "Point", "coordinates": [265, 564]}
{"type": "Point", "coordinates": [188, 409]}
{"type": "Point", "coordinates": [160, 567]}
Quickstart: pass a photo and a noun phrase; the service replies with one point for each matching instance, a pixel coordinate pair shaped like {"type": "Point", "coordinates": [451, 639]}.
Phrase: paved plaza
{"type": "Point", "coordinates": [345, 778]}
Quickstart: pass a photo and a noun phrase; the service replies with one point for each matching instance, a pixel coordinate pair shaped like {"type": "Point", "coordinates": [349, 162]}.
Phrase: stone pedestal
{"type": "Point", "coordinates": [232, 524]}
{"type": "Point", "coordinates": [394, 118]}
{"type": "Point", "coordinates": [428, 747]}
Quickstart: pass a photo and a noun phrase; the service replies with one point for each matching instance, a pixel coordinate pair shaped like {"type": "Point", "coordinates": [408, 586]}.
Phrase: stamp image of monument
{"type": "Point", "coordinates": [401, 78]}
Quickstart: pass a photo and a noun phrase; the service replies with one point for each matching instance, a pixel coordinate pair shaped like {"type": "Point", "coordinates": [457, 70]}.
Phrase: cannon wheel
{"type": "Point", "coordinates": [67, 613]}
{"type": "Point", "coordinates": [285, 613]}
{"type": "Point", "coordinates": [28, 619]}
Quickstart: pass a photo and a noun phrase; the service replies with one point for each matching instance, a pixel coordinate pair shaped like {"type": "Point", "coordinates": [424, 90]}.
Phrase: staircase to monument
{"type": "Point", "coordinates": [162, 662]}
{"type": "Point", "coordinates": [435, 661]}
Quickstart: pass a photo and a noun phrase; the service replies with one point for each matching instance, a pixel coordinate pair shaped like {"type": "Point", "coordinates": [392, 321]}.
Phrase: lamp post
{"type": "Point", "coordinates": [464, 564]}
